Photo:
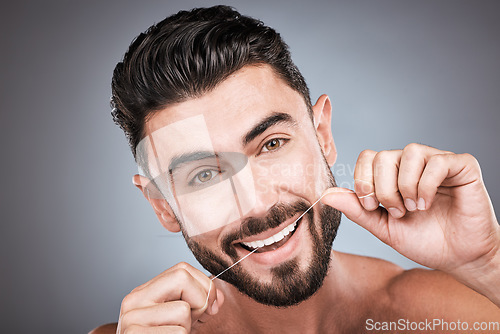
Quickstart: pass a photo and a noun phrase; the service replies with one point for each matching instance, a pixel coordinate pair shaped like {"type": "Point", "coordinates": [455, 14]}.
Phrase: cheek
{"type": "Point", "coordinates": [300, 172]}
{"type": "Point", "coordinates": [208, 209]}
{"type": "Point", "coordinates": [307, 174]}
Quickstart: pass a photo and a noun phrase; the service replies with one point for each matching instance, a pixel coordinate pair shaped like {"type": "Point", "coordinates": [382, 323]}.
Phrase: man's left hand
{"type": "Point", "coordinates": [436, 210]}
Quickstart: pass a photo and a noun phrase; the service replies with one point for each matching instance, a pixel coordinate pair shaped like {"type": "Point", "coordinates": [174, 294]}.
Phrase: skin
{"type": "Point", "coordinates": [455, 232]}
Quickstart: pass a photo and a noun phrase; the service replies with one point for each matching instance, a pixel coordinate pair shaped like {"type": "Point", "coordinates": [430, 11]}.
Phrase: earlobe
{"type": "Point", "coordinates": [322, 115]}
{"type": "Point", "coordinates": [162, 209]}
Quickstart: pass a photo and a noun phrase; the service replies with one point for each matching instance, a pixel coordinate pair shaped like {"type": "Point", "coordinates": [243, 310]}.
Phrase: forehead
{"type": "Point", "coordinates": [236, 104]}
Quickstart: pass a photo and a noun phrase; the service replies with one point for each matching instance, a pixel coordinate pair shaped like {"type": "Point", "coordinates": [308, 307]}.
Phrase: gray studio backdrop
{"type": "Point", "coordinates": [76, 236]}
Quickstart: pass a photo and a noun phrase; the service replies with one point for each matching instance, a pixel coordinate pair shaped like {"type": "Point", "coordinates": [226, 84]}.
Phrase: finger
{"type": "Point", "coordinates": [363, 180]}
{"type": "Point", "coordinates": [211, 305]}
{"type": "Point", "coordinates": [156, 330]}
{"type": "Point", "coordinates": [348, 203]}
{"type": "Point", "coordinates": [175, 313]}
{"type": "Point", "coordinates": [215, 301]}
{"type": "Point", "coordinates": [181, 265]}
{"type": "Point", "coordinates": [212, 309]}
{"type": "Point", "coordinates": [206, 281]}
{"type": "Point", "coordinates": [177, 283]}
{"type": "Point", "coordinates": [212, 292]}
{"type": "Point", "coordinates": [385, 175]}
{"type": "Point", "coordinates": [413, 162]}
{"type": "Point", "coordinates": [445, 170]}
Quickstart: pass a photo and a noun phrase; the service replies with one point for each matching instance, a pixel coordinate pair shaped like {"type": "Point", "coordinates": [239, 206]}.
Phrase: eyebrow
{"type": "Point", "coordinates": [266, 123]}
{"type": "Point", "coordinates": [261, 127]}
{"type": "Point", "coordinates": [185, 158]}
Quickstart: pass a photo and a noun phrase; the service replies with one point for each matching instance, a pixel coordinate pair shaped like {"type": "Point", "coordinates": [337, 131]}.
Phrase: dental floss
{"type": "Point", "coordinates": [244, 257]}
{"type": "Point", "coordinates": [368, 195]}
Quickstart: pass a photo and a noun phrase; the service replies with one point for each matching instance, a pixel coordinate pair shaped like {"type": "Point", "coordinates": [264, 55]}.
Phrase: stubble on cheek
{"type": "Point", "coordinates": [207, 258]}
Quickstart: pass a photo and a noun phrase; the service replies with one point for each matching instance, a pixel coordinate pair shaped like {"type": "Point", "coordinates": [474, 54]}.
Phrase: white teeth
{"type": "Point", "coordinates": [268, 241]}
{"type": "Point", "coordinates": [272, 239]}
{"type": "Point", "coordinates": [278, 236]}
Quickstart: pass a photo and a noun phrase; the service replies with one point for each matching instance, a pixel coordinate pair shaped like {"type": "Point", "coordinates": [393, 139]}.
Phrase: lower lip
{"type": "Point", "coordinates": [286, 251]}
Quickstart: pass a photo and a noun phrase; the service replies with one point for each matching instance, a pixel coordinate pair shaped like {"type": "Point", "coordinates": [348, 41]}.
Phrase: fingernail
{"type": "Point", "coordinates": [410, 204]}
{"type": "Point", "coordinates": [395, 212]}
{"type": "Point", "coordinates": [369, 203]}
{"type": "Point", "coordinates": [421, 204]}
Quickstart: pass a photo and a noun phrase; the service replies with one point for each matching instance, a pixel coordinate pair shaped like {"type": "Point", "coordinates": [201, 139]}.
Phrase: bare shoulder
{"type": "Point", "coordinates": [105, 329]}
{"type": "Point", "coordinates": [433, 293]}
{"type": "Point", "coordinates": [415, 293]}
{"type": "Point", "coordinates": [370, 273]}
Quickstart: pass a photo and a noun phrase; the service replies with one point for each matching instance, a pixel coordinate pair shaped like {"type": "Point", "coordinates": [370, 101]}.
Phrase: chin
{"type": "Point", "coordinates": [279, 275]}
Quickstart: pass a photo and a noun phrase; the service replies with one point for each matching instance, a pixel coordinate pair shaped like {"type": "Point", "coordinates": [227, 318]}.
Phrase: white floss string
{"type": "Point", "coordinates": [244, 257]}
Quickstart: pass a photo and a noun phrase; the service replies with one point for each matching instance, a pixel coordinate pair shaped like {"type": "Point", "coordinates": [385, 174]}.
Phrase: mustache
{"type": "Point", "coordinates": [276, 215]}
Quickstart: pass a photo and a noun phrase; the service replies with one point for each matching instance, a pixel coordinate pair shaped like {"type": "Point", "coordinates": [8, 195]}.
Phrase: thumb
{"type": "Point", "coordinates": [215, 299]}
{"type": "Point", "coordinates": [217, 303]}
{"type": "Point", "coordinates": [347, 202]}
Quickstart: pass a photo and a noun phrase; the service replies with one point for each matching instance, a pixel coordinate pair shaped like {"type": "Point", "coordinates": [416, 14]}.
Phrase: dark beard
{"type": "Point", "coordinates": [290, 285]}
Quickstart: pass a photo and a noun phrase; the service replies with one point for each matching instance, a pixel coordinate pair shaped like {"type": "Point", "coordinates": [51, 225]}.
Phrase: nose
{"type": "Point", "coordinates": [266, 195]}
{"type": "Point", "coordinates": [259, 190]}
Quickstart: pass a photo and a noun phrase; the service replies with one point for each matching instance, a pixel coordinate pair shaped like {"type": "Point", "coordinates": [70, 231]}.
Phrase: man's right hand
{"type": "Point", "coordinates": [175, 301]}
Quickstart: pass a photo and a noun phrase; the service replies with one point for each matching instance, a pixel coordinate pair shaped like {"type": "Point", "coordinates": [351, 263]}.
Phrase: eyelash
{"type": "Point", "coordinates": [282, 141]}
{"type": "Point", "coordinates": [193, 181]}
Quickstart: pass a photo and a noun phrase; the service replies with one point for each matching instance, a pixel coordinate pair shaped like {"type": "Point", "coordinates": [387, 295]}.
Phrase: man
{"type": "Point", "coordinates": [237, 158]}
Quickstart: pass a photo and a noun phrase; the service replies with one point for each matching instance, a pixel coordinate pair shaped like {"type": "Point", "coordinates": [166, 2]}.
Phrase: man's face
{"type": "Point", "coordinates": [255, 115]}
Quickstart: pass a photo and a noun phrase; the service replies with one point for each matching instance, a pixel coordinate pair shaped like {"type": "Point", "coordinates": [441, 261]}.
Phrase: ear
{"type": "Point", "coordinates": [322, 114]}
{"type": "Point", "coordinates": [162, 209]}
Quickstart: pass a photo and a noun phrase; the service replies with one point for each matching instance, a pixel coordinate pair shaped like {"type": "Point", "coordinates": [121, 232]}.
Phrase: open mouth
{"type": "Point", "coordinates": [273, 242]}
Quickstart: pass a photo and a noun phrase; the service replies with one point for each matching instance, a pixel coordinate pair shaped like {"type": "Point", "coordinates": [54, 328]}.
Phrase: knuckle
{"type": "Point", "coordinates": [184, 310]}
{"type": "Point", "coordinates": [381, 157]}
{"type": "Point", "coordinates": [182, 265]}
{"type": "Point", "coordinates": [473, 164]}
{"type": "Point", "coordinates": [380, 163]}
{"type": "Point", "coordinates": [127, 302]}
{"type": "Point", "coordinates": [385, 197]}
{"type": "Point", "coordinates": [137, 288]}
{"type": "Point", "coordinates": [182, 275]}
{"type": "Point", "coordinates": [366, 154]}
{"type": "Point", "coordinates": [471, 160]}
{"type": "Point", "coordinates": [438, 160]}
{"type": "Point", "coordinates": [362, 187]}
{"type": "Point", "coordinates": [406, 186]}
{"type": "Point", "coordinates": [413, 148]}
{"type": "Point", "coordinates": [382, 198]}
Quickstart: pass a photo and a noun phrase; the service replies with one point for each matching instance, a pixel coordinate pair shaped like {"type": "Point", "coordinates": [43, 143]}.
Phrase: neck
{"type": "Point", "coordinates": [317, 314]}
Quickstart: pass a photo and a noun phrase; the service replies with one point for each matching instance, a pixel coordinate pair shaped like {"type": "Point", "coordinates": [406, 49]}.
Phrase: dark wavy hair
{"type": "Point", "coordinates": [187, 55]}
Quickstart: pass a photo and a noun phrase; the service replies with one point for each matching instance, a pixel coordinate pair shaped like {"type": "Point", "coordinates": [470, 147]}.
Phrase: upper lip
{"type": "Point", "coordinates": [270, 232]}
